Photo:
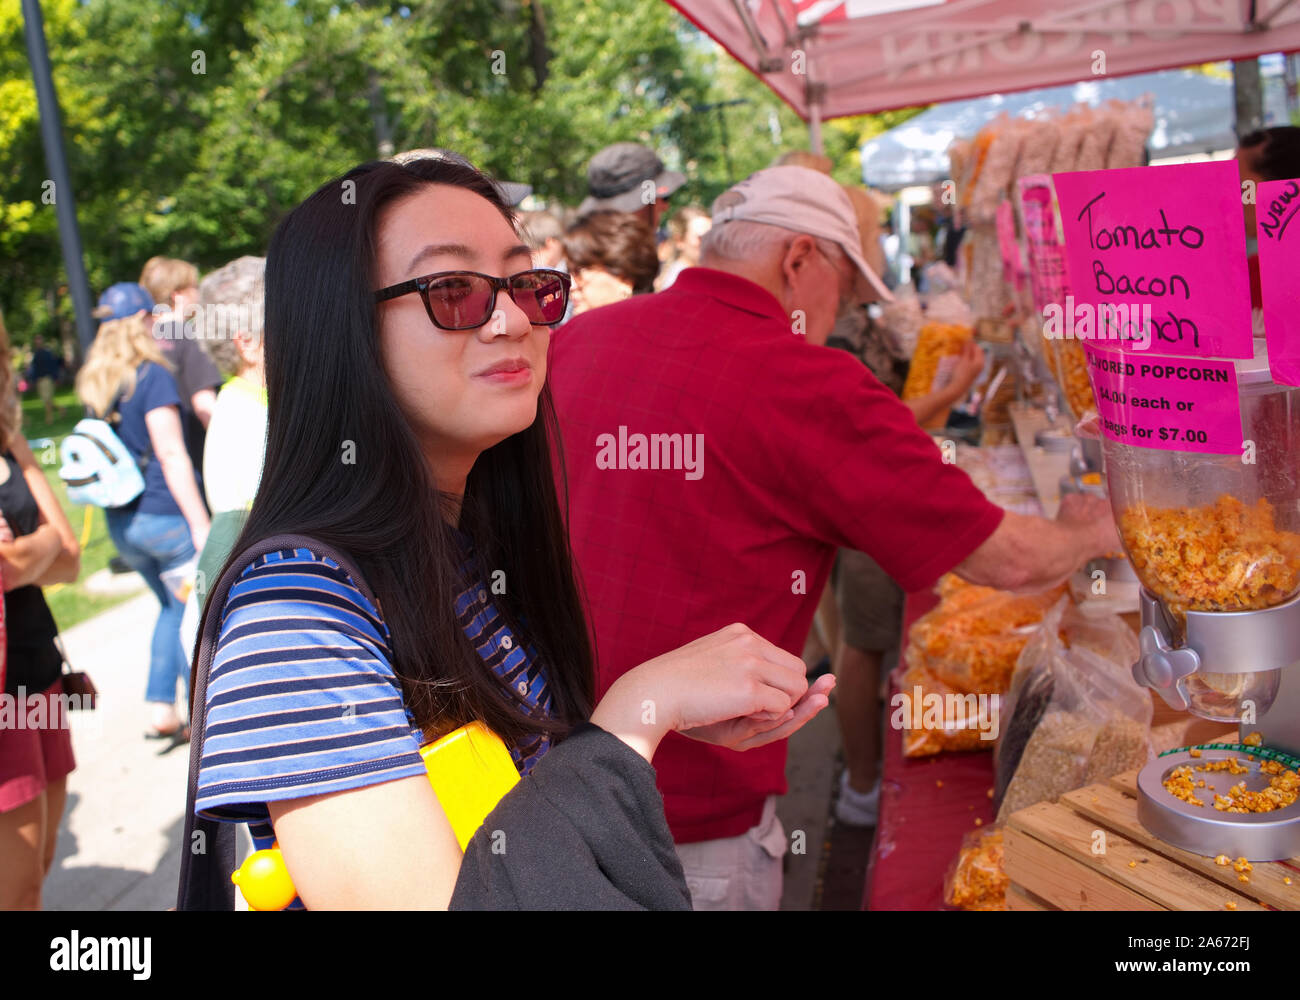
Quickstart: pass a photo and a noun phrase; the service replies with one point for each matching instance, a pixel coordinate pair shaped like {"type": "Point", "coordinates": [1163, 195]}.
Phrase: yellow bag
{"type": "Point", "coordinates": [470, 770]}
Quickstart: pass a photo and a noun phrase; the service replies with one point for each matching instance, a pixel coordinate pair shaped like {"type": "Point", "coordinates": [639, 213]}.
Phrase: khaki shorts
{"type": "Point", "coordinates": [738, 873]}
{"type": "Point", "coordinates": [45, 389]}
{"type": "Point", "coordinates": [870, 603]}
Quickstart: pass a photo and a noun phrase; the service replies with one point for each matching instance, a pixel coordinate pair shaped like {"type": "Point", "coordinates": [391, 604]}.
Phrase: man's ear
{"type": "Point", "coordinates": [798, 256]}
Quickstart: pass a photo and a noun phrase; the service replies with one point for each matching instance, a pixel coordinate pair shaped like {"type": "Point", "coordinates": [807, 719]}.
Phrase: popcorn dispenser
{"type": "Point", "coordinates": [1215, 542]}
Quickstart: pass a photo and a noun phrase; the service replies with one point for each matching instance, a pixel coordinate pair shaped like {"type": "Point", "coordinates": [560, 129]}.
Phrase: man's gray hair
{"type": "Point", "coordinates": [741, 239]}
{"type": "Point", "coordinates": [233, 301]}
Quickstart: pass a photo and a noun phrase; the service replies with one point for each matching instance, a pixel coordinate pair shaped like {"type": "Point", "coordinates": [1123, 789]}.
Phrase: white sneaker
{"type": "Point", "coordinates": [856, 808]}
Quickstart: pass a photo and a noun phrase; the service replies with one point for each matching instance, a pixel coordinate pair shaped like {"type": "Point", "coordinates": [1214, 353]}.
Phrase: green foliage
{"type": "Point", "coordinates": [192, 126]}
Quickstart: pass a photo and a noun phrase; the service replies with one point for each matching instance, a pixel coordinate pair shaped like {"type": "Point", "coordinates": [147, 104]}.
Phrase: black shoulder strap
{"type": "Point", "coordinates": [208, 850]}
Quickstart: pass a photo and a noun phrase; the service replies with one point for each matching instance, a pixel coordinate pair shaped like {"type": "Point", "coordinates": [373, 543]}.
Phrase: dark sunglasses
{"type": "Point", "coordinates": [465, 300]}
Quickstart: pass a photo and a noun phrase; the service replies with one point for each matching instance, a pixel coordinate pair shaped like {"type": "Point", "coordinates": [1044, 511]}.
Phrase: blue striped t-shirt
{"type": "Point", "coordinates": [302, 698]}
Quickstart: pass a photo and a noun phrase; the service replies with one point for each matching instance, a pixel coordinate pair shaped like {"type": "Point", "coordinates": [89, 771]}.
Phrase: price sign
{"type": "Point", "coordinates": [1012, 270]}
{"type": "Point", "coordinates": [1277, 223]}
{"type": "Point", "coordinates": [1172, 404]}
{"type": "Point", "coordinates": [1168, 242]}
{"type": "Point", "coordinates": [1045, 251]}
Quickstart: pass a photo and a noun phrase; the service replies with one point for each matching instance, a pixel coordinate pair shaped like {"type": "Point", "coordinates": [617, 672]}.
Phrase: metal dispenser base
{"type": "Point", "coordinates": [1223, 642]}
{"type": "Point", "coordinates": [1270, 836]}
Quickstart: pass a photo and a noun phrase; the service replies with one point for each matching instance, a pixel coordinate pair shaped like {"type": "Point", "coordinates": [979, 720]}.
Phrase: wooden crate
{"type": "Point", "coordinates": [1089, 852]}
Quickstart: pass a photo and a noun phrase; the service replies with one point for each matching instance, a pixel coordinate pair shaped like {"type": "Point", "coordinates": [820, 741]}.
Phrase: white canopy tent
{"type": "Point", "coordinates": [1193, 114]}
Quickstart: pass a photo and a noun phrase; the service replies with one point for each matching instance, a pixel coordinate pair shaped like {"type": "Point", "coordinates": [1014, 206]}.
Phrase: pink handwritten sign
{"type": "Point", "coordinates": [1172, 238]}
{"type": "Point", "coordinates": [1173, 404]}
{"type": "Point", "coordinates": [1012, 270]}
{"type": "Point", "coordinates": [1277, 224]}
{"type": "Point", "coordinates": [1045, 251]}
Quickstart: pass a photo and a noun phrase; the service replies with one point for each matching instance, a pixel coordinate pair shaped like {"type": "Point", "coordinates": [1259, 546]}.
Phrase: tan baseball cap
{"type": "Point", "coordinates": [802, 201]}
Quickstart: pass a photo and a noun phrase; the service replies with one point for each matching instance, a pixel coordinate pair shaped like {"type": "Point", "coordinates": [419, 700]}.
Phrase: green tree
{"type": "Point", "coordinates": [32, 266]}
{"type": "Point", "coordinates": [192, 126]}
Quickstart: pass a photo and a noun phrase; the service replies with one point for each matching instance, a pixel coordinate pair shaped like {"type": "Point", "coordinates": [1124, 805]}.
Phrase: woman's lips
{"type": "Point", "coordinates": [514, 371]}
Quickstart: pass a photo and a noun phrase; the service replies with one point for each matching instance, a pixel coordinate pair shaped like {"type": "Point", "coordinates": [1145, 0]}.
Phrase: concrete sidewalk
{"type": "Point", "coordinates": [119, 842]}
{"type": "Point", "coordinates": [120, 838]}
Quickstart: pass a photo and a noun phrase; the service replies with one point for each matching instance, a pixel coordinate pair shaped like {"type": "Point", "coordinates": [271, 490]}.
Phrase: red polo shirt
{"type": "Point", "coordinates": [785, 452]}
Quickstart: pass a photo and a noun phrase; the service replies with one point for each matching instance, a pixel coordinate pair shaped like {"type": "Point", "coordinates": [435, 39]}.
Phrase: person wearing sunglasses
{"type": "Point", "coordinates": [409, 426]}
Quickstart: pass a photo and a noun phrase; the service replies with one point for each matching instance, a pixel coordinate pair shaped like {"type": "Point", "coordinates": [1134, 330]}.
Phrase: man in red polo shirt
{"type": "Point", "coordinates": [717, 455]}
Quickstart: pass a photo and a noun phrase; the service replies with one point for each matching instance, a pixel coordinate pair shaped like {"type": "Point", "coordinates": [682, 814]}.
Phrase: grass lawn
{"type": "Point", "coordinates": [69, 602]}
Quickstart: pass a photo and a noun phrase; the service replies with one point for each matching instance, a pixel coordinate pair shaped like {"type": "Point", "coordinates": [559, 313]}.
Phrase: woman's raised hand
{"type": "Point", "coordinates": [732, 688]}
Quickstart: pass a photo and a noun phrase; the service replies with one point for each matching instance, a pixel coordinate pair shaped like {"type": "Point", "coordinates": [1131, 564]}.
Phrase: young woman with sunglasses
{"type": "Point", "coordinates": [406, 351]}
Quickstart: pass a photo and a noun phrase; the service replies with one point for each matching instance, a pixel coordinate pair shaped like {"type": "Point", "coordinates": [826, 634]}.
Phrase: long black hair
{"type": "Point", "coordinates": [343, 466]}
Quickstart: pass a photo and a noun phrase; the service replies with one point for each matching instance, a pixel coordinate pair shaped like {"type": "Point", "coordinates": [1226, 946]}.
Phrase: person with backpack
{"type": "Point", "coordinates": [126, 383]}
{"type": "Point", "coordinates": [414, 577]}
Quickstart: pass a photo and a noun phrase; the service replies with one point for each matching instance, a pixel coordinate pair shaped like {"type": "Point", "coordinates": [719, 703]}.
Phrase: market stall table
{"type": "Point", "coordinates": [1052, 860]}
{"type": "Point", "coordinates": [927, 804]}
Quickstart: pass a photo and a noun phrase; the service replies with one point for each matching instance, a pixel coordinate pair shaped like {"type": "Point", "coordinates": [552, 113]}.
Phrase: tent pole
{"type": "Point", "coordinates": [65, 207]}
{"type": "Point", "coordinates": [815, 129]}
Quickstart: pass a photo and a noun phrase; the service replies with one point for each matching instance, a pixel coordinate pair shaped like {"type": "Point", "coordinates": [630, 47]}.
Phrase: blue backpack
{"type": "Point", "coordinates": [98, 469]}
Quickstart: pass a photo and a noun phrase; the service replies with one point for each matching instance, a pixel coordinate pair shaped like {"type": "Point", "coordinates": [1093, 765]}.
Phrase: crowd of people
{"type": "Point", "coordinates": [598, 510]}
{"type": "Point", "coordinates": [155, 383]}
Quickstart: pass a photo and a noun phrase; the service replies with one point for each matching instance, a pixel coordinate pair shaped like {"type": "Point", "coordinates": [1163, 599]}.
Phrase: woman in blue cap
{"type": "Point", "coordinates": [127, 382]}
